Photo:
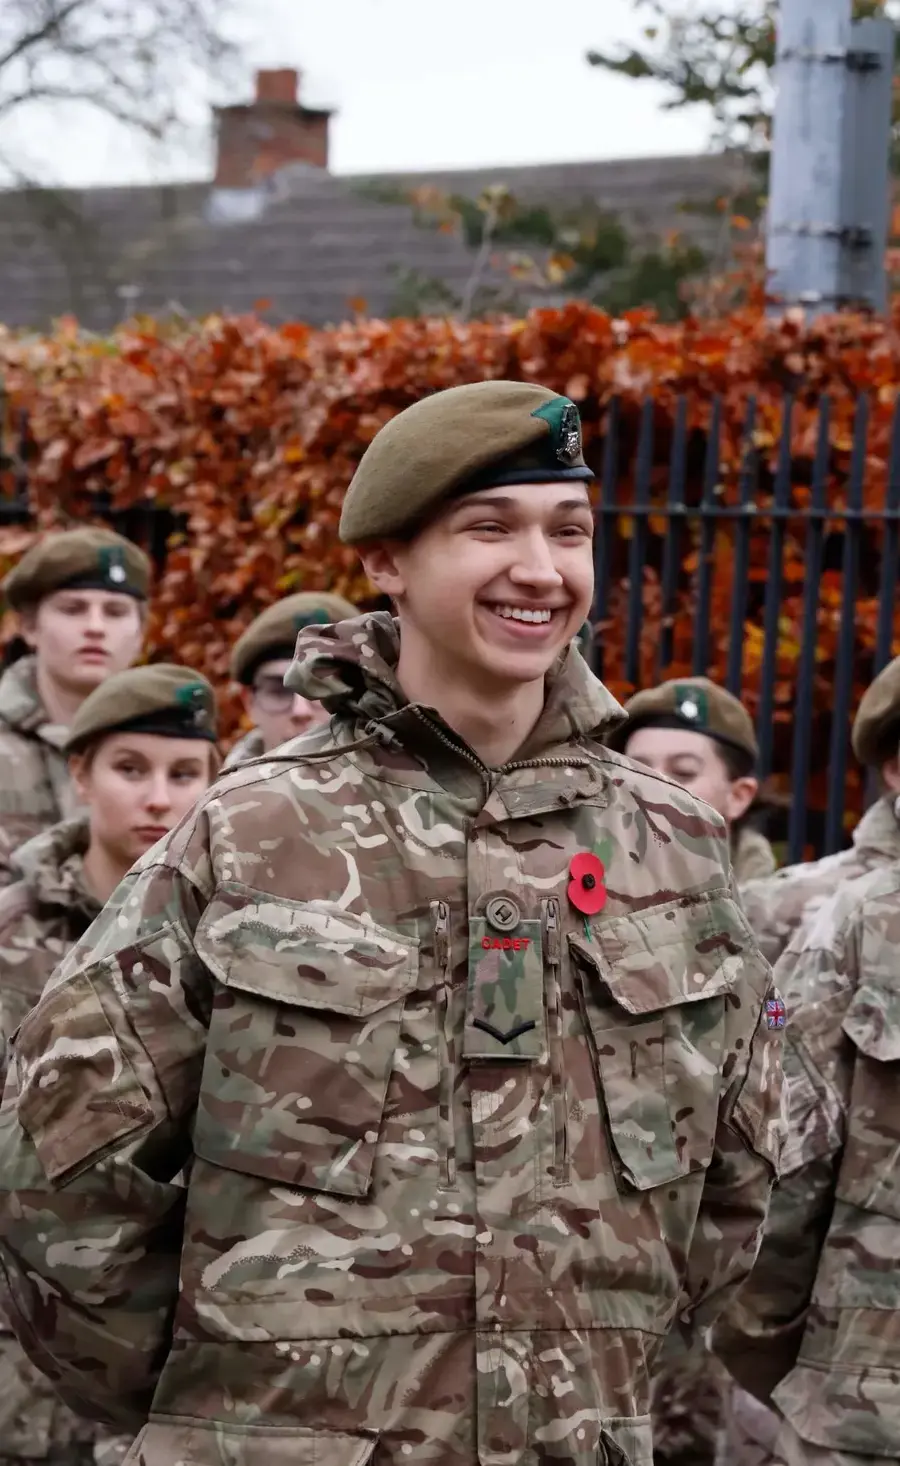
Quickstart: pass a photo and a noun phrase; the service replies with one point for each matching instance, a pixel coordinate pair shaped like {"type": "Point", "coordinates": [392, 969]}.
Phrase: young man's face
{"type": "Point", "coordinates": [82, 636]}
{"type": "Point", "coordinates": [278, 713]}
{"type": "Point", "coordinates": [498, 582]}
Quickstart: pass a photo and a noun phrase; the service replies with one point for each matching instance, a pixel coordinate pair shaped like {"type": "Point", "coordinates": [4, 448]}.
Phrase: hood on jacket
{"type": "Point", "coordinates": [351, 669]}
{"type": "Point", "coordinates": [52, 865]}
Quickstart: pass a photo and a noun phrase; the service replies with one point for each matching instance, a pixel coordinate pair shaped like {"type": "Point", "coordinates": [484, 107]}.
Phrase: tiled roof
{"type": "Point", "coordinates": [309, 242]}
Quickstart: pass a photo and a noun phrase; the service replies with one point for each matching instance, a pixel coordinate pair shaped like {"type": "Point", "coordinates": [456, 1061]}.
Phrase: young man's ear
{"type": "Point", "coordinates": [383, 564]}
{"type": "Point", "coordinates": [890, 774]}
{"type": "Point", "coordinates": [741, 795]}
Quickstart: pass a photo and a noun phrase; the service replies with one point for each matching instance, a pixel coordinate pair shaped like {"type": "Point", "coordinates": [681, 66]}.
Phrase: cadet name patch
{"type": "Point", "coordinates": [505, 944]}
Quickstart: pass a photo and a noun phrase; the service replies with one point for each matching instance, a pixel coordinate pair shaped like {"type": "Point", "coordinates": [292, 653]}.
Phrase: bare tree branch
{"type": "Point", "coordinates": [140, 62]}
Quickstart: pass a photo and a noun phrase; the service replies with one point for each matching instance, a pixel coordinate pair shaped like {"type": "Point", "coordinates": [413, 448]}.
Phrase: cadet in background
{"type": "Point", "coordinates": [816, 1331]}
{"type": "Point", "coordinates": [141, 750]}
{"type": "Point", "coordinates": [780, 904]}
{"type": "Point", "coordinates": [702, 737]}
{"type": "Point", "coordinates": [471, 1049]}
{"type": "Point", "coordinates": [259, 661]}
{"type": "Point", "coordinates": [80, 597]}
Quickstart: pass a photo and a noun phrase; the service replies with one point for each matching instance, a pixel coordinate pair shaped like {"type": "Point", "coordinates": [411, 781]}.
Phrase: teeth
{"type": "Point", "coordinates": [518, 613]}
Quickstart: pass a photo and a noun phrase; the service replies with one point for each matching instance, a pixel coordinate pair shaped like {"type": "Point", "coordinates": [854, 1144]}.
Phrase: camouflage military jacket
{"type": "Point", "coordinates": [752, 856]}
{"type": "Point", "coordinates": [41, 915]}
{"type": "Point", "coordinates": [818, 1326]}
{"type": "Point", "coordinates": [35, 791]}
{"type": "Point", "coordinates": [776, 907]}
{"type": "Point", "coordinates": [459, 1153]}
{"type": "Point", "coordinates": [249, 747]}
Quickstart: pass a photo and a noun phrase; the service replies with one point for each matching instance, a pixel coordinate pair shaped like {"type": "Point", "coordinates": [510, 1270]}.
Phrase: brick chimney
{"type": "Point", "coordinates": [254, 140]}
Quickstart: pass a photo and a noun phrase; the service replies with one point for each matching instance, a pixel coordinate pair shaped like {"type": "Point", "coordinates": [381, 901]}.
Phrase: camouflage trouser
{"type": "Point", "coordinates": [689, 1390]}
{"type": "Point", "coordinates": [749, 1432]}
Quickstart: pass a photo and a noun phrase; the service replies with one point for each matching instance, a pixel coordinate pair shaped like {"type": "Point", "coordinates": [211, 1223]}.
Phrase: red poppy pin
{"type": "Point", "coordinates": [587, 891]}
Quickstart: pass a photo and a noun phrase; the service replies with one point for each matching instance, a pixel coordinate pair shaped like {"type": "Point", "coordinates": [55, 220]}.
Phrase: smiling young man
{"type": "Point", "coordinates": [451, 1011]}
{"type": "Point", "coordinates": [80, 598]}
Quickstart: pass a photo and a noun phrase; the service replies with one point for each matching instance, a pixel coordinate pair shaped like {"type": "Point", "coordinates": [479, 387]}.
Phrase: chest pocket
{"type": "Point", "coordinates": [653, 992]}
{"type": "Point", "coordinates": [302, 1039]}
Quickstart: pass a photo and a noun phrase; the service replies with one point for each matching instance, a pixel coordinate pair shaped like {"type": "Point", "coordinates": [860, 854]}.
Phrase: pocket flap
{"type": "Point", "coordinates": [661, 959]}
{"type": "Point", "coordinates": [311, 955]}
{"type": "Point", "coordinates": [872, 1022]}
{"type": "Point", "coordinates": [216, 1444]}
{"type": "Point", "coordinates": [856, 1411]}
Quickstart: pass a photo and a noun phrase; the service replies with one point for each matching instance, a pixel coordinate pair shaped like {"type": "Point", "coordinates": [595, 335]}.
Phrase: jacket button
{"type": "Point", "coordinates": [502, 913]}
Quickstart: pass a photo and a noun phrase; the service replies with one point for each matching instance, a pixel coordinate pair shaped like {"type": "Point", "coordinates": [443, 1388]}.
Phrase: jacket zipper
{"type": "Point", "coordinates": [552, 761]}
{"type": "Point", "coordinates": [553, 997]}
{"type": "Point", "coordinates": [446, 1046]}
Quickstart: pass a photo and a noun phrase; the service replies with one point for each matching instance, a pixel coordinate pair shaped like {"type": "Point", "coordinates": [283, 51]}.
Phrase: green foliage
{"type": "Point", "coordinates": [523, 249]}
{"type": "Point", "coordinates": [656, 277]}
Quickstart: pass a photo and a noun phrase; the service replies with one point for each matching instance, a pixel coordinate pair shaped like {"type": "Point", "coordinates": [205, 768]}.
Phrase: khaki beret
{"type": "Point", "coordinates": [694, 703]}
{"type": "Point", "coordinates": [876, 728]}
{"type": "Point", "coordinates": [274, 633]}
{"type": "Point", "coordinates": [82, 559]}
{"type": "Point", "coordinates": [472, 437]}
{"type": "Point", "coordinates": [170, 701]}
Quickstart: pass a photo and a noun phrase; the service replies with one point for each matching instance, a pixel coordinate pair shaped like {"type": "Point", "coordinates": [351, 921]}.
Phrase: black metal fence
{"type": "Point", "coordinates": [769, 562]}
{"type": "Point", "coordinates": [693, 570]}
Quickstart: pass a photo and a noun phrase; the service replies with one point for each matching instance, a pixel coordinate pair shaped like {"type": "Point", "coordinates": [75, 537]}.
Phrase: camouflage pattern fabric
{"type": "Point", "coordinates": [817, 1328]}
{"type": "Point", "coordinates": [41, 915]}
{"type": "Point", "coordinates": [749, 1431]}
{"type": "Point", "coordinates": [459, 1156]}
{"type": "Point", "coordinates": [35, 790]}
{"type": "Point", "coordinates": [248, 747]}
{"type": "Point", "coordinates": [690, 1391]}
{"type": "Point", "coordinates": [776, 907]}
{"type": "Point", "coordinates": [752, 856]}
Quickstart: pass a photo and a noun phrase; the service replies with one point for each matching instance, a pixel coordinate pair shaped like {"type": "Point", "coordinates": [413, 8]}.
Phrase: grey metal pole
{"type": "Point", "coordinates": [828, 204]}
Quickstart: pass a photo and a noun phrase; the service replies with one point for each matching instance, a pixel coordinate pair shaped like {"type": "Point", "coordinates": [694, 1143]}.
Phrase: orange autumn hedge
{"type": "Point", "coordinates": [247, 434]}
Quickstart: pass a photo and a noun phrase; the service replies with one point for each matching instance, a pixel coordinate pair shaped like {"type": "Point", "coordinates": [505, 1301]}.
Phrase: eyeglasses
{"type": "Point", "coordinates": [272, 695]}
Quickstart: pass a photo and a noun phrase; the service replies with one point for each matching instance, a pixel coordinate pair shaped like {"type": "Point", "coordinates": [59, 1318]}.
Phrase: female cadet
{"type": "Point", "coordinates": [141, 752]}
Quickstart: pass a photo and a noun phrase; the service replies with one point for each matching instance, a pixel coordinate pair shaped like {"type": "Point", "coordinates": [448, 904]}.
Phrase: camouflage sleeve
{"type": "Point", "coordinates": [93, 1130]}
{"type": "Point", "coordinates": [760, 1334]}
{"type": "Point", "coordinates": [8, 845]}
{"type": "Point", "coordinates": [749, 1138]}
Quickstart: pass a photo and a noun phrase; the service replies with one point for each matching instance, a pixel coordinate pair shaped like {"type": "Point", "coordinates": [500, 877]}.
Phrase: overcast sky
{"type": "Point", "coordinates": [417, 85]}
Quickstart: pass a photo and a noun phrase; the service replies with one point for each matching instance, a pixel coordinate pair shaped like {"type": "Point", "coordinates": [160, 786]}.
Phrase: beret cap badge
{"type": "Point", "coordinates": [565, 428]}
{"type": "Point", "coordinates": [112, 565]}
{"type": "Point", "coordinates": [692, 704]}
{"type": "Point", "coordinates": [194, 698]}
